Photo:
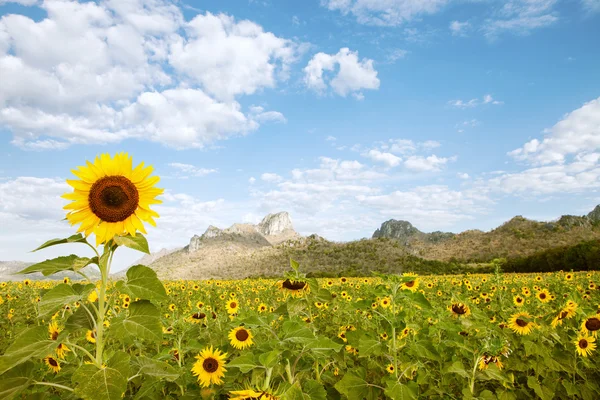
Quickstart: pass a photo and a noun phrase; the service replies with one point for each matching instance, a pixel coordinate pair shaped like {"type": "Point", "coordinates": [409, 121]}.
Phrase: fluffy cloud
{"type": "Point", "coordinates": [33, 198]}
{"type": "Point", "coordinates": [96, 73]}
{"type": "Point", "coordinates": [386, 158]}
{"type": "Point", "coordinates": [271, 177]}
{"type": "Point", "coordinates": [385, 12]}
{"type": "Point", "coordinates": [459, 28]}
{"type": "Point", "coordinates": [191, 170]}
{"type": "Point", "coordinates": [426, 164]}
{"type": "Point", "coordinates": [353, 75]}
{"type": "Point", "coordinates": [578, 133]}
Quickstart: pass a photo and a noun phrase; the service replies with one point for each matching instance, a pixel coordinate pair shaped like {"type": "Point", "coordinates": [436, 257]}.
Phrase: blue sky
{"type": "Point", "coordinates": [453, 115]}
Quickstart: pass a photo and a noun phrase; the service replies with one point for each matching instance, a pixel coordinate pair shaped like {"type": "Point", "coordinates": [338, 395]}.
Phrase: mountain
{"type": "Point", "coordinates": [8, 269]}
{"type": "Point", "coordinates": [404, 231]}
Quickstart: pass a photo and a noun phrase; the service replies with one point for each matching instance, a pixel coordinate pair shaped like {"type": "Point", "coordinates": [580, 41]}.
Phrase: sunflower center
{"type": "Point", "coordinates": [113, 198]}
{"type": "Point", "coordinates": [583, 344]}
{"type": "Point", "coordinates": [233, 304]}
{"type": "Point", "coordinates": [295, 285]}
{"type": "Point", "coordinates": [542, 296]}
{"type": "Point", "coordinates": [210, 364]}
{"type": "Point", "coordinates": [563, 315]}
{"type": "Point", "coordinates": [592, 324]}
{"type": "Point", "coordinates": [459, 309]}
{"type": "Point", "coordinates": [521, 323]}
{"type": "Point", "coordinates": [242, 335]}
{"type": "Point", "coordinates": [410, 284]}
{"type": "Point", "coordinates": [54, 335]}
{"type": "Point", "coordinates": [198, 315]}
{"type": "Point", "coordinates": [519, 300]}
{"type": "Point", "coordinates": [52, 362]}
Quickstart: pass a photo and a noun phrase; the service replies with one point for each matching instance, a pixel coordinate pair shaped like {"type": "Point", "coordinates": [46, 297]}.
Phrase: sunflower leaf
{"type": "Point", "coordinates": [137, 242]}
{"type": "Point", "coordinates": [77, 238]}
{"type": "Point", "coordinates": [143, 283]}
{"type": "Point", "coordinates": [79, 320]}
{"type": "Point", "coordinates": [64, 263]}
{"type": "Point", "coordinates": [245, 363]}
{"type": "Point", "coordinates": [14, 381]}
{"type": "Point", "coordinates": [143, 321]}
{"type": "Point", "coordinates": [57, 297]}
{"type": "Point", "coordinates": [355, 386]}
{"type": "Point", "coordinates": [104, 384]}
{"type": "Point", "coordinates": [33, 342]}
{"type": "Point", "coordinates": [156, 369]}
{"type": "Point", "coordinates": [399, 391]}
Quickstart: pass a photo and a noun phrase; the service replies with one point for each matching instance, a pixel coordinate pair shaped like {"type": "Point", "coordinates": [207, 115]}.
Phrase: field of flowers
{"type": "Point", "coordinates": [498, 336]}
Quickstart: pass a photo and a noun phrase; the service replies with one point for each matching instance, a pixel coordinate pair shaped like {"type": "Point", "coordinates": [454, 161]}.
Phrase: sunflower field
{"type": "Point", "coordinates": [502, 336]}
{"type": "Point", "coordinates": [495, 336]}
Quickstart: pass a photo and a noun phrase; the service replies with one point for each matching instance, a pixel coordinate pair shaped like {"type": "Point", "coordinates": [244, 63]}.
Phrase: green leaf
{"type": "Point", "coordinates": [420, 299]}
{"type": "Point", "coordinates": [458, 368]}
{"type": "Point", "coordinates": [105, 384]}
{"type": "Point", "coordinates": [269, 360]}
{"type": "Point", "coordinates": [398, 391]}
{"type": "Point", "coordinates": [323, 345]}
{"type": "Point", "coordinates": [137, 242]}
{"type": "Point", "coordinates": [368, 347]}
{"type": "Point", "coordinates": [425, 349]}
{"type": "Point", "coordinates": [80, 319]}
{"type": "Point", "coordinates": [157, 369]}
{"type": "Point", "coordinates": [15, 381]}
{"type": "Point", "coordinates": [294, 265]}
{"type": "Point", "coordinates": [57, 297]}
{"type": "Point", "coordinates": [245, 363]}
{"type": "Point", "coordinates": [77, 238]}
{"type": "Point", "coordinates": [543, 392]}
{"type": "Point", "coordinates": [314, 390]}
{"type": "Point", "coordinates": [296, 332]}
{"type": "Point", "coordinates": [354, 386]}
{"type": "Point", "coordinates": [143, 283]}
{"type": "Point", "coordinates": [143, 321]}
{"type": "Point", "coordinates": [120, 361]}
{"type": "Point", "coordinates": [33, 342]}
{"type": "Point", "coordinates": [64, 263]}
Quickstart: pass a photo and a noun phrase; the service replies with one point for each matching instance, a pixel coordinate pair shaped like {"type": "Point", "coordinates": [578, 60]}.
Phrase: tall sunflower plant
{"type": "Point", "coordinates": [111, 200]}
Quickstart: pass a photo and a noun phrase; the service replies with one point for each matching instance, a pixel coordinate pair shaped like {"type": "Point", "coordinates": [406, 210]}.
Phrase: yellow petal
{"type": "Point", "coordinates": [97, 171]}
{"type": "Point", "coordinates": [137, 176]}
{"type": "Point", "coordinates": [129, 226]}
{"type": "Point", "coordinates": [77, 205]}
{"type": "Point", "coordinates": [137, 223]}
{"type": "Point", "coordinates": [76, 195]}
{"type": "Point", "coordinates": [80, 185]}
{"type": "Point", "coordinates": [77, 217]}
{"type": "Point", "coordinates": [84, 174]}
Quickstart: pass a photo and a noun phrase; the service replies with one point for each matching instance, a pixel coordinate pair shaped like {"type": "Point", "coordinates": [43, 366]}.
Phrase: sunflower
{"type": "Point", "coordinates": [543, 296]}
{"type": "Point", "coordinates": [411, 285]}
{"type": "Point", "coordinates": [521, 323]}
{"type": "Point", "coordinates": [197, 317]}
{"type": "Point", "coordinates": [251, 394]}
{"type": "Point", "coordinates": [518, 300]}
{"type": "Point", "coordinates": [111, 198]}
{"type": "Point", "coordinates": [591, 326]}
{"type": "Point", "coordinates": [262, 308]}
{"type": "Point", "coordinates": [486, 360]}
{"type": "Point", "coordinates": [90, 336]}
{"type": "Point", "coordinates": [585, 345]}
{"type": "Point", "coordinates": [62, 350]}
{"type": "Point", "coordinates": [569, 277]}
{"type": "Point", "coordinates": [172, 307]}
{"type": "Point", "coordinates": [385, 302]}
{"type": "Point", "coordinates": [390, 368]}
{"type": "Point", "coordinates": [52, 364]}
{"type": "Point", "coordinates": [66, 280]}
{"type": "Point", "coordinates": [210, 367]}
{"type": "Point", "coordinates": [459, 310]}
{"type": "Point", "coordinates": [53, 330]}
{"type": "Point", "coordinates": [294, 288]}
{"type": "Point", "coordinates": [240, 337]}
{"type": "Point", "coordinates": [232, 306]}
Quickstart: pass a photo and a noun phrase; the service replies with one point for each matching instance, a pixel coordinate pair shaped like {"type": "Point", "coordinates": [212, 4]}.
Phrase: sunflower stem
{"type": "Point", "coordinates": [104, 271]}
{"type": "Point", "coordinates": [56, 385]}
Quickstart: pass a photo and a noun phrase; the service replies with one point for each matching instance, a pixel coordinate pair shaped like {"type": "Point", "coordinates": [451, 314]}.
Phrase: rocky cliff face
{"type": "Point", "coordinates": [404, 231]}
{"type": "Point", "coordinates": [276, 224]}
{"type": "Point", "coordinates": [594, 215]}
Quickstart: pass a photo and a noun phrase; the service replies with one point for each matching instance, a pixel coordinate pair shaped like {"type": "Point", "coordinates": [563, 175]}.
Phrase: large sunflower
{"type": "Point", "coordinates": [210, 367]}
{"type": "Point", "coordinates": [591, 326]}
{"type": "Point", "coordinates": [584, 345]}
{"type": "Point", "coordinates": [52, 364]}
{"type": "Point", "coordinates": [521, 323]}
{"type": "Point", "coordinates": [240, 338]}
{"type": "Point", "coordinates": [112, 198]}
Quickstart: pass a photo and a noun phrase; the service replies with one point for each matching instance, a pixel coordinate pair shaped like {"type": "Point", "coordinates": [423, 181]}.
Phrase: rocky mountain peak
{"type": "Point", "coordinates": [396, 230]}
{"type": "Point", "coordinates": [594, 215]}
{"type": "Point", "coordinates": [276, 224]}
{"type": "Point", "coordinates": [211, 232]}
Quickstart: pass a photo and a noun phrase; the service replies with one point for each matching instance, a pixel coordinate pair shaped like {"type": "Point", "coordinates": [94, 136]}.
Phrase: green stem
{"type": "Point", "coordinates": [54, 385]}
{"type": "Point", "coordinates": [268, 378]}
{"type": "Point", "coordinates": [104, 270]}
{"type": "Point", "coordinates": [473, 375]}
{"type": "Point", "coordinates": [395, 352]}
{"type": "Point", "coordinates": [87, 353]}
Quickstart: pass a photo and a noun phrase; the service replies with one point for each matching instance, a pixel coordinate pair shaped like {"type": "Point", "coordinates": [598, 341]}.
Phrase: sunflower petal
{"type": "Point", "coordinates": [80, 185]}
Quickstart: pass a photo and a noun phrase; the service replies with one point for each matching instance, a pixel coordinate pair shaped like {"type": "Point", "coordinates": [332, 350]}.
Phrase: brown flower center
{"type": "Point", "coordinates": [242, 335]}
{"type": "Point", "coordinates": [521, 323]}
{"type": "Point", "coordinates": [293, 285]}
{"type": "Point", "coordinates": [459, 309]}
{"type": "Point", "coordinates": [54, 335]}
{"type": "Point", "coordinates": [233, 304]}
{"type": "Point", "coordinates": [542, 296]}
{"type": "Point", "coordinates": [210, 364]}
{"type": "Point", "coordinates": [52, 362]}
{"type": "Point", "coordinates": [198, 315]}
{"type": "Point", "coordinates": [583, 344]}
{"type": "Point", "coordinates": [563, 315]}
{"type": "Point", "coordinates": [592, 324]}
{"type": "Point", "coordinates": [113, 198]}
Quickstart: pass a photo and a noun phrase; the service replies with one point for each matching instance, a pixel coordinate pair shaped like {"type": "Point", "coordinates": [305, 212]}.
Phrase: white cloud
{"type": "Point", "coordinates": [591, 5]}
{"type": "Point", "coordinates": [386, 158]}
{"type": "Point", "coordinates": [578, 133]}
{"type": "Point", "coordinates": [331, 138]}
{"type": "Point", "coordinates": [459, 28]}
{"type": "Point", "coordinates": [396, 54]}
{"type": "Point", "coordinates": [520, 17]}
{"type": "Point", "coordinates": [385, 12]}
{"type": "Point", "coordinates": [487, 99]}
{"type": "Point", "coordinates": [271, 177]}
{"type": "Point", "coordinates": [94, 73]}
{"type": "Point", "coordinates": [353, 75]}
{"type": "Point", "coordinates": [463, 175]}
{"type": "Point", "coordinates": [22, 2]}
{"type": "Point", "coordinates": [230, 58]}
{"type": "Point", "coordinates": [426, 164]}
{"type": "Point", "coordinates": [192, 170]}
{"type": "Point", "coordinates": [252, 180]}
{"type": "Point", "coordinates": [33, 198]}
